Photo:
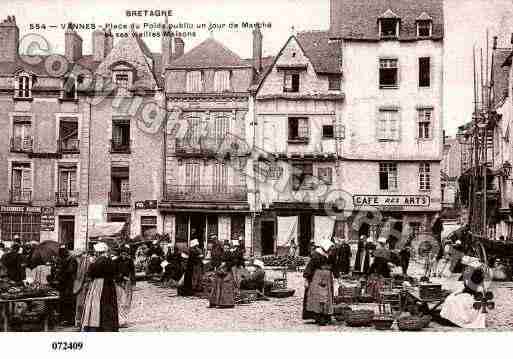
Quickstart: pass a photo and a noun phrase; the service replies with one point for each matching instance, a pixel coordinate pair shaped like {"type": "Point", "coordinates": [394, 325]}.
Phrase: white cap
{"type": "Point", "coordinates": [382, 240]}
{"type": "Point", "coordinates": [458, 242]}
{"type": "Point", "coordinates": [101, 247]}
{"type": "Point", "coordinates": [369, 240]}
{"type": "Point", "coordinates": [235, 242]}
{"type": "Point", "coordinates": [194, 243]}
{"type": "Point", "coordinates": [362, 236]}
{"type": "Point", "coordinates": [258, 263]}
{"type": "Point", "coordinates": [471, 261]}
{"type": "Point", "coordinates": [184, 255]}
{"type": "Point", "coordinates": [325, 244]}
{"type": "Point", "coordinates": [155, 242]}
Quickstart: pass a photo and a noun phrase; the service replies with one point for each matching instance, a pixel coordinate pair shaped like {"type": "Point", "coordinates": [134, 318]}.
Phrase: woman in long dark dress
{"type": "Point", "coordinates": [369, 249]}
{"type": "Point", "coordinates": [223, 292]}
{"type": "Point", "coordinates": [318, 274]}
{"type": "Point", "coordinates": [359, 253]}
{"type": "Point", "coordinates": [174, 270]}
{"type": "Point", "coordinates": [101, 306]}
{"type": "Point", "coordinates": [193, 271]}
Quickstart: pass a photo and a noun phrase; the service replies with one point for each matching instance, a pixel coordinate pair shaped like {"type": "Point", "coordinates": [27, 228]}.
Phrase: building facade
{"type": "Point", "coordinates": [393, 86]}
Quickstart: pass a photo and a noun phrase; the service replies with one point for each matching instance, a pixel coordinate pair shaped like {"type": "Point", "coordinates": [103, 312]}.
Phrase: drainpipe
{"type": "Point", "coordinates": [88, 178]}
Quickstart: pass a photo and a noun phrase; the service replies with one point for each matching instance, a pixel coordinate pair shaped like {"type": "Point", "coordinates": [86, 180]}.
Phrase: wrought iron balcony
{"type": "Point", "coordinates": [22, 144]}
{"type": "Point", "coordinates": [119, 146]}
{"type": "Point", "coordinates": [66, 199]}
{"type": "Point", "coordinates": [212, 193]}
{"type": "Point", "coordinates": [119, 198]}
{"type": "Point", "coordinates": [20, 196]}
{"type": "Point", "coordinates": [205, 146]}
{"type": "Point", "coordinates": [71, 145]}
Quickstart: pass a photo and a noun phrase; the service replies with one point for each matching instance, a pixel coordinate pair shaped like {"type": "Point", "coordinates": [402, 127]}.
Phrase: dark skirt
{"type": "Point", "coordinates": [223, 291]}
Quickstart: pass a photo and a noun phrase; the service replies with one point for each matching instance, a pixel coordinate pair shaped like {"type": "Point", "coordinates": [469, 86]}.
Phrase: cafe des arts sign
{"type": "Point", "coordinates": [368, 200]}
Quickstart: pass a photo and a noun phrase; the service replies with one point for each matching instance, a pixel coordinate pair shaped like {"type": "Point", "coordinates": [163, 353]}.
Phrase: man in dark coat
{"type": "Point", "coordinates": [13, 263]}
{"type": "Point", "coordinates": [341, 256]}
{"type": "Point", "coordinates": [66, 274]}
{"type": "Point", "coordinates": [217, 252]}
{"type": "Point", "coordinates": [193, 271]}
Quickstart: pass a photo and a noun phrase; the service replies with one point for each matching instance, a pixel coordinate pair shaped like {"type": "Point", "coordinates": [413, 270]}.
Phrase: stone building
{"type": "Point", "coordinates": [392, 113]}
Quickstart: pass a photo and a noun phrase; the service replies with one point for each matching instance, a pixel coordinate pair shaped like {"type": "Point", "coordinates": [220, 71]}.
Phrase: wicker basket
{"type": "Point", "coordinates": [366, 298]}
{"type": "Point", "coordinates": [341, 314]}
{"type": "Point", "coordinates": [383, 322]}
{"type": "Point", "coordinates": [426, 320]}
{"type": "Point", "coordinates": [360, 318]}
{"type": "Point", "coordinates": [411, 323]}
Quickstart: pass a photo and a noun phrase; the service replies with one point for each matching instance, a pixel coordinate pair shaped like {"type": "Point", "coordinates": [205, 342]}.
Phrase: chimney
{"type": "Point", "coordinates": [166, 45]}
{"type": "Point", "coordinates": [99, 45]}
{"type": "Point", "coordinates": [109, 42]}
{"type": "Point", "coordinates": [72, 45]}
{"type": "Point", "coordinates": [179, 47]}
{"type": "Point", "coordinates": [257, 49]}
{"type": "Point", "coordinates": [9, 40]}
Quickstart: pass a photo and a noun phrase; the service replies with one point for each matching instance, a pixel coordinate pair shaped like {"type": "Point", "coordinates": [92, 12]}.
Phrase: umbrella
{"type": "Point", "coordinates": [44, 252]}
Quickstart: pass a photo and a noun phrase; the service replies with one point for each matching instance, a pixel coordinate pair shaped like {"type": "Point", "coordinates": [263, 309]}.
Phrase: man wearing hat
{"type": "Point", "coordinates": [13, 263]}
{"type": "Point", "coordinates": [217, 251]}
{"type": "Point", "coordinates": [101, 306]}
{"type": "Point", "coordinates": [66, 273]}
{"type": "Point", "coordinates": [341, 256]}
{"type": "Point", "coordinates": [382, 259]}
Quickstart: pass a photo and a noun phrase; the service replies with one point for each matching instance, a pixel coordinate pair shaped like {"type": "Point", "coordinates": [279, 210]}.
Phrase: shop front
{"type": "Point", "coordinates": [29, 223]}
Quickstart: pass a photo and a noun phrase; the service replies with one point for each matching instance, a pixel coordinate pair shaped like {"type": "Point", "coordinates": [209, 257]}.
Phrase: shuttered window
{"type": "Point", "coordinates": [192, 175]}
{"type": "Point", "coordinates": [222, 81]}
{"type": "Point", "coordinates": [194, 81]}
{"type": "Point", "coordinates": [388, 125]}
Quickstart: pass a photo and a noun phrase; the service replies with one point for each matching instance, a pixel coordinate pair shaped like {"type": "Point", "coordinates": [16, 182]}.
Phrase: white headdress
{"type": "Point", "coordinates": [194, 243]}
{"type": "Point", "coordinates": [101, 247]}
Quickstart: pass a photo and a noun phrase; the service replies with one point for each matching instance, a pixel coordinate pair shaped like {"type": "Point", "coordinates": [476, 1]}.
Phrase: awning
{"type": "Point", "coordinates": [107, 229]}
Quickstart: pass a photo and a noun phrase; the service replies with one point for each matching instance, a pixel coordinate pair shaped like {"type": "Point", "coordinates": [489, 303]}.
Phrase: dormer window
{"type": "Point", "coordinates": [424, 28]}
{"type": "Point", "coordinates": [23, 86]}
{"type": "Point", "coordinates": [123, 77]}
{"type": "Point", "coordinates": [389, 25]}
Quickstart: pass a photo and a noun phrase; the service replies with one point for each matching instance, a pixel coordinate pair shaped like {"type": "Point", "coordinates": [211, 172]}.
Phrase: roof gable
{"type": "Point", "coordinates": [389, 14]}
{"type": "Point", "coordinates": [325, 55]}
{"type": "Point", "coordinates": [129, 50]}
{"type": "Point", "coordinates": [358, 20]}
{"type": "Point", "coordinates": [208, 54]}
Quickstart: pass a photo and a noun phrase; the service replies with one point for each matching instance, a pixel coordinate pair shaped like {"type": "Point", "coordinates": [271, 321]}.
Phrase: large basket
{"type": "Point", "coordinates": [349, 291]}
{"type": "Point", "coordinates": [340, 312]}
{"type": "Point", "coordinates": [383, 322]}
{"type": "Point", "coordinates": [426, 319]}
{"type": "Point", "coordinates": [411, 323]}
{"type": "Point", "coordinates": [360, 318]}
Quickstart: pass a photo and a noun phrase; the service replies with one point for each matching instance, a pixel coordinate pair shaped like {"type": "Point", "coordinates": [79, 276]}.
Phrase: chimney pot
{"type": "Point", "coordinates": [179, 47]}
{"type": "Point", "coordinates": [257, 49]}
{"type": "Point", "coordinates": [72, 45]}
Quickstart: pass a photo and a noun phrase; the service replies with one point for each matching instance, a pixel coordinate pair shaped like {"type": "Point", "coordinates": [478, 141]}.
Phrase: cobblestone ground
{"type": "Point", "coordinates": [159, 309]}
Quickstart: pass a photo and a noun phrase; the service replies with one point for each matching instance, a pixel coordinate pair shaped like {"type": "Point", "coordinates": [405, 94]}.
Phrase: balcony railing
{"type": "Point", "coordinates": [22, 144]}
{"type": "Point", "coordinates": [205, 146]}
{"type": "Point", "coordinates": [118, 146]}
{"type": "Point", "coordinates": [206, 193]}
{"type": "Point", "coordinates": [66, 199]}
{"type": "Point", "coordinates": [71, 145]}
{"type": "Point", "coordinates": [119, 198]}
{"type": "Point", "coordinates": [20, 196]}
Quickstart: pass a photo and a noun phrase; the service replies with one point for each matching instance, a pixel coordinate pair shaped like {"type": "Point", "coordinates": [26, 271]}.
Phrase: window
{"type": "Point", "coordinates": [148, 226]}
{"type": "Point", "coordinates": [298, 129]}
{"type": "Point", "coordinates": [21, 183]}
{"type": "Point", "coordinates": [325, 174]}
{"type": "Point", "coordinates": [388, 71]}
{"type": "Point", "coordinates": [67, 191]}
{"type": "Point", "coordinates": [22, 140]}
{"type": "Point", "coordinates": [388, 125]}
{"type": "Point", "coordinates": [69, 88]}
{"type": "Point", "coordinates": [25, 225]}
{"type": "Point", "coordinates": [220, 177]}
{"type": "Point", "coordinates": [334, 82]}
{"type": "Point", "coordinates": [388, 176]}
{"type": "Point", "coordinates": [222, 81]}
{"type": "Point", "coordinates": [424, 121]}
{"type": "Point", "coordinates": [327, 131]}
{"type": "Point", "coordinates": [389, 28]}
{"type": "Point", "coordinates": [194, 81]}
{"type": "Point", "coordinates": [192, 176]}
{"type": "Point", "coordinates": [291, 82]}
{"type": "Point", "coordinates": [68, 135]}
{"type": "Point", "coordinates": [121, 217]}
{"type": "Point", "coordinates": [121, 80]}
{"type": "Point", "coordinates": [302, 176]}
{"type": "Point", "coordinates": [424, 28]}
{"type": "Point", "coordinates": [120, 186]}
{"type": "Point", "coordinates": [120, 142]}
{"type": "Point", "coordinates": [424, 72]}
{"type": "Point", "coordinates": [424, 177]}
{"type": "Point", "coordinates": [23, 86]}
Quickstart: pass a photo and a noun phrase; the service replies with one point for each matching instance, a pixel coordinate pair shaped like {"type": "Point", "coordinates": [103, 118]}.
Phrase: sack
{"type": "Point", "coordinates": [181, 281]}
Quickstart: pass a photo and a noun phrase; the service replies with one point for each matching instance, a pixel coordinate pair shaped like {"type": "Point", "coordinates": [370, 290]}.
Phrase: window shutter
{"type": "Point", "coordinates": [26, 179]}
{"type": "Point", "coordinates": [73, 181]}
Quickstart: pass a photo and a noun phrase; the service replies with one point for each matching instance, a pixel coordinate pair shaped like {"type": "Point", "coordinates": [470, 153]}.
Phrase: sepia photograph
{"type": "Point", "coordinates": [334, 166]}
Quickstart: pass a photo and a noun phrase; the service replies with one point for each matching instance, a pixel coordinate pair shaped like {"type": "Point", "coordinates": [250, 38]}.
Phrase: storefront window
{"type": "Point", "coordinates": [26, 225]}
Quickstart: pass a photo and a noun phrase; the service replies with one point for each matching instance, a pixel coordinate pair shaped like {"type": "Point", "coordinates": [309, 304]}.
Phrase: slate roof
{"type": "Point", "coordinates": [358, 20]}
{"type": "Point", "coordinates": [500, 76]}
{"type": "Point", "coordinates": [208, 54]}
{"type": "Point", "coordinates": [325, 55]}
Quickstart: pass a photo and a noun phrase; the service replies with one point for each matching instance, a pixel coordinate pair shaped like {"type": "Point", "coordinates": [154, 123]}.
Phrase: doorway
{"type": "Point", "coordinates": [305, 234]}
{"type": "Point", "coordinates": [267, 236]}
{"type": "Point", "coordinates": [67, 231]}
{"type": "Point", "coordinates": [198, 223]}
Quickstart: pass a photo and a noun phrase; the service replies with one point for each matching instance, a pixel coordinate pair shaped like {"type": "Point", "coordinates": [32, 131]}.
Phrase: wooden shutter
{"type": "Point", "coordinates": [26, 179]}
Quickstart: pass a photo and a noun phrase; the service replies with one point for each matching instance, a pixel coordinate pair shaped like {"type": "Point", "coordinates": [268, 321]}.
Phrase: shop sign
{"type": "Point", "coordinates": [148, 204]}
{"type": "Point", "coordinates": [19, 209]}
{"type": "Point", "coordinates": [47, 219]}
{"type": "Point", "coordinates": [368, 200]}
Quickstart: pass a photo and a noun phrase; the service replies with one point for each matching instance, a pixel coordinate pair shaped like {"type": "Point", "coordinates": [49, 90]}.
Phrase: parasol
{"type": "Point", "coordinates": [44, 252]}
